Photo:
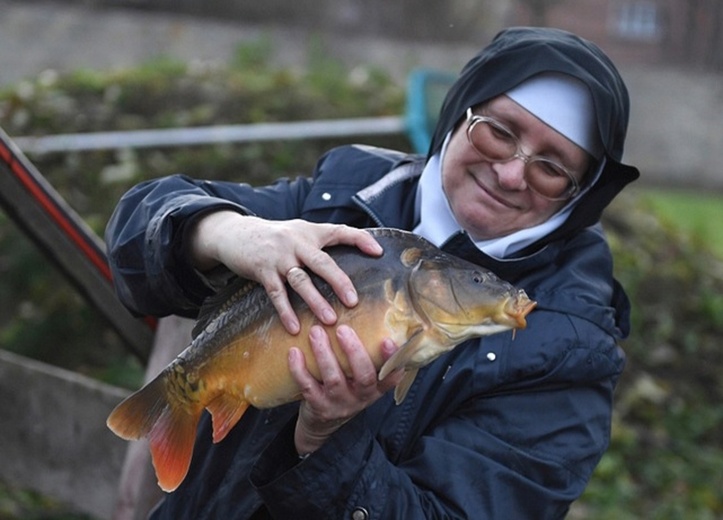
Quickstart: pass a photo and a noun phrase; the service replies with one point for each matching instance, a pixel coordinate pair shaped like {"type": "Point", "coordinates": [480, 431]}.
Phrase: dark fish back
{"type": "Point", "coordinates": [243, 302]}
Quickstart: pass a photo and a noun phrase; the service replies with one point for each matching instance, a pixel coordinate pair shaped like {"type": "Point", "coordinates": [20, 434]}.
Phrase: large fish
{"type": "Point", "coordinates": [426, 300]}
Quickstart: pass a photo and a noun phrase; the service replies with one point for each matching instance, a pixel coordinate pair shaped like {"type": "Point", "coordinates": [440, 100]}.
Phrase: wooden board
{"type": "Point", "coordinates": [42, 214]}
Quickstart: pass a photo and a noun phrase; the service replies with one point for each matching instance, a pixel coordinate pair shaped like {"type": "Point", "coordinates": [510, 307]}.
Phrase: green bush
{"type": "Point", "coordinates": [666, 455]}
{"type": "Point", "coordinates": [160, 94]}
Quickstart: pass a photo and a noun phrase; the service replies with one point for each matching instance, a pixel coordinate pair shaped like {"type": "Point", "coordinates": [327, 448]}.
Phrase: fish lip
{"type": "Point", "coordinates": [518, 307]}
{"type": "Point", "coordinates": [459, 333]}
{"type": "Point", "coordinates": [509, 315]}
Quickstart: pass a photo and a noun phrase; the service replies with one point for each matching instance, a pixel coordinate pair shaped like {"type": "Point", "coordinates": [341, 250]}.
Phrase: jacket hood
{"type": "Point", "coordinates": [517, 54]}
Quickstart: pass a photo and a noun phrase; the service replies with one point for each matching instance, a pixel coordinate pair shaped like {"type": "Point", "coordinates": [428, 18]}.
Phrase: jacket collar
{"type": "Point", "coordinates": [375, 199]}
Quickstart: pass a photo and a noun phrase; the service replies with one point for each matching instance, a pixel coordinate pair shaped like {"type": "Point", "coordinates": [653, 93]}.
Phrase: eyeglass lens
{"type": "Point", "coordinates": [495, 142]}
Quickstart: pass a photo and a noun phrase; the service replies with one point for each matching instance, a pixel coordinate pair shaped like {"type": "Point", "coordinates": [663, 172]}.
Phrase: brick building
{"type": "Point", "coordinates": [686, 32]}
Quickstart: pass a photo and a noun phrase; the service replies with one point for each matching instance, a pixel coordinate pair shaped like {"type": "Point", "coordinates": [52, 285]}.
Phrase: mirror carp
{"type": "Point", "coordinates": [427, 301]}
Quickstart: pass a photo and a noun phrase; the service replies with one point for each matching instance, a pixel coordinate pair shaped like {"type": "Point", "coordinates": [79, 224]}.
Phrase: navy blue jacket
{"type": "Point", "coordinates": [499, 428]}
{"type": "Point", "coordinates": [509, 427]}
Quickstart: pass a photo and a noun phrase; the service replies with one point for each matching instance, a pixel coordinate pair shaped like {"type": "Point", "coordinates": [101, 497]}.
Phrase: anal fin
{"type": "Point", "coordinates": [226, 410]}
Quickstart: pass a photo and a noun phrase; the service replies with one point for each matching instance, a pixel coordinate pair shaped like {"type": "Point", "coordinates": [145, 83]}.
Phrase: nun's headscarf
{"type": "Point", "coordinates": [509, 65]}
{"type": "Point", "coordinates": [563, 103]}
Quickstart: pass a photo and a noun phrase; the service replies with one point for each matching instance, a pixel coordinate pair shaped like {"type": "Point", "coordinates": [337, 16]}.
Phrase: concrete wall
{"type": "Point", "coordinates": [676, 127]}
{"type": "Point", "coordinates": [54, 440]}
{"type": "Point", "coordinates": [53, 436]}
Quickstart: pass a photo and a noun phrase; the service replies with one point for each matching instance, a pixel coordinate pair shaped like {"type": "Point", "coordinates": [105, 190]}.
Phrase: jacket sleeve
{"type": "Point", "coordinates": [146, 233]}
{"type": "Point", "coordinates": [517, 436]}
{"type": "Point", "coordinates": [145, 236]}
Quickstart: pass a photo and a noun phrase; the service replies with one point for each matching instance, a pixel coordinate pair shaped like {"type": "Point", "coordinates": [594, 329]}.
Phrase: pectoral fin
{"type": "Point", "coordinates": [400, 392]}
{"type": "Point", "coordinates": [403, 356]}
{"type": "Point", "coordinates": [419, 350]}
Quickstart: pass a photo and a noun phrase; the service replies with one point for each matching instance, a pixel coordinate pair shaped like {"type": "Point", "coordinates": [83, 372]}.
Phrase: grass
{"type": "Point", "coordinates": [697, 214]}
{"type": "Point", "coordinates": [17, 504]}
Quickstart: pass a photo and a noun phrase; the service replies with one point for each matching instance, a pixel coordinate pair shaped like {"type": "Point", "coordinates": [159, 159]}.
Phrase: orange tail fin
{"type": "Point", "coordinates": [134, 418]}
{"type": "Point", "coordinates": [170, 428]}
{"type": "Point", "coordinates": [172, 439]}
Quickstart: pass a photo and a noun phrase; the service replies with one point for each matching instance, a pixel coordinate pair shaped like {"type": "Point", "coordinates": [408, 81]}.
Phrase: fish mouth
{"type": "Point", "coordinates": [517, 307]}
{"type": "Point", "coordinates": [509, 314]}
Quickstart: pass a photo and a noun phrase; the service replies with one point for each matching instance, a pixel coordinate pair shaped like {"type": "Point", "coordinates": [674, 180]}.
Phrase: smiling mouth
{"type": "Point", "coordinates": [491, 194]}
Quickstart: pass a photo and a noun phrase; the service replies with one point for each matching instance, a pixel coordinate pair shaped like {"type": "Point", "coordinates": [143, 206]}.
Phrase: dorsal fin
{"type": "Point", "coordinates": [218, 303]}
{"type": "Point", "coordinates": [394, 233]}
{"type": "Point", "coordinates": [240, 289]}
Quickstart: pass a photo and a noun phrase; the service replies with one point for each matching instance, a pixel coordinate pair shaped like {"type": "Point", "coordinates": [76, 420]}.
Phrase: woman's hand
{"type": "Point", "coordinates": [270, 252]}
{"type": "Point", "coordinates": [329, 403]}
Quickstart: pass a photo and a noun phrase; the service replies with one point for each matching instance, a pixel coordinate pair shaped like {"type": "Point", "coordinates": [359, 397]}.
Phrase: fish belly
{"type": "Point", "coordinates": [255, 366]}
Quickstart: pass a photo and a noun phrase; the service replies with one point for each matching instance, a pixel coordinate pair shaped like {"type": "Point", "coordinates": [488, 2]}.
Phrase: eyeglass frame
{"type": "Point", "coordinates": [472, 119]}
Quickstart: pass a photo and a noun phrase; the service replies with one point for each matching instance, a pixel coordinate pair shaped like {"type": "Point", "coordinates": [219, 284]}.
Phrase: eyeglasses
{"type": "Point", "coordinates": [497, 143]}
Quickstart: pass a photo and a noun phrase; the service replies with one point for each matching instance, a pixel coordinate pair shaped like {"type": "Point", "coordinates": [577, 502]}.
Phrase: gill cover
{"type": "Point", "coordinates": [453, 291]}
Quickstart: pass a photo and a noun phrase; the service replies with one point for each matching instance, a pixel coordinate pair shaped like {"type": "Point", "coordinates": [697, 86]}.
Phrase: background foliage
{"type": "Point", "coordinates": [666, 458]}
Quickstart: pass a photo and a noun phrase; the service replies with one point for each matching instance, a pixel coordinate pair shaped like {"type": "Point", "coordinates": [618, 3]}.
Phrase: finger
{"type": "Point", "coordinates": [308, 386]}
{"type": "Point", "coordinates": [276, 290]}
{"type": "Point", "coordinates": [363, 371]}
{"type": "Point", "coordinates": [300, 281]}
{"type": "Point", "coordinates": [393, 378]}
{"type": "Point", "coordinates": [330, 371]}
{"type": "Point", "coordinates": [361, 239]}
{"type": "Point", "coordinates": [321, 263]}
{"type": "Point", "coordinates": [388, 348]}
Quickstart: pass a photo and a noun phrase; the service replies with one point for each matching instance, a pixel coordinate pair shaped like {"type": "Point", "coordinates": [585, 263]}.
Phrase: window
{"type": "Point", "coordinates": [637, 20]}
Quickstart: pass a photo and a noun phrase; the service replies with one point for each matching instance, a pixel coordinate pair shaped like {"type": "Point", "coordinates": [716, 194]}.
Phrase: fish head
{"type": "Point", "coordinates": [463, 300]}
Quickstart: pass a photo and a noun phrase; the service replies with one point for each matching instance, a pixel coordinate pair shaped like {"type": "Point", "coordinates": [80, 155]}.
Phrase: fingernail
{"type": "Point", "coordinates": [351, 298]}
{"type": "Point", "coordinates": [328, 316]}
{"type": "Point", "coordinates": [378, 249]}
{"type": "Point", "coordinates": [343, 330]}
{"type": "Point", "coordinates": [391, 347]}
{"type": "Point", "coordinates": [293, 326]}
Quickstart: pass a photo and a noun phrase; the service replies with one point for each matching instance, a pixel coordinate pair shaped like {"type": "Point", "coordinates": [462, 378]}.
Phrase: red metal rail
{"type": "Point", "coordinates": [58, 231]}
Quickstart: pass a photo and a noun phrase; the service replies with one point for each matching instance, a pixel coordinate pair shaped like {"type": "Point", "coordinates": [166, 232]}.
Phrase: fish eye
{"type": "Point", "coordinates": [477, 277]}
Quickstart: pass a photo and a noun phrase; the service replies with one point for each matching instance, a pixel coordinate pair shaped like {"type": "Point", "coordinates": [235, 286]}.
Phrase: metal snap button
{"type": "Point", "coordinates": [360, 513]}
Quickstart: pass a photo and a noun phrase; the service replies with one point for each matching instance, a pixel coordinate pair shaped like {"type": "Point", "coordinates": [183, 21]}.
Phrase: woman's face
{"type": "Point", "coordinates": [492, 199]}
